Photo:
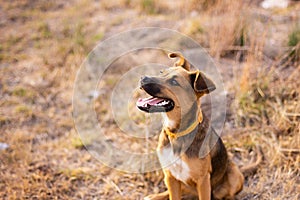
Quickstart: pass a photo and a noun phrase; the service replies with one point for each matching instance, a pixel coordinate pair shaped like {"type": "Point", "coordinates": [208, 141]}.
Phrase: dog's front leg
{"type": "Point", "coordinates": [173, 185]}
{"type": "Point", "coordinates": [204, 188]}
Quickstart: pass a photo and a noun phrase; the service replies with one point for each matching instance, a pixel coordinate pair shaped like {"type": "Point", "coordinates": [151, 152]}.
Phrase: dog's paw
{"type": "Point", "coordinates": [159, 196]}
{"type": "Point", "coordinates": [150, 197]}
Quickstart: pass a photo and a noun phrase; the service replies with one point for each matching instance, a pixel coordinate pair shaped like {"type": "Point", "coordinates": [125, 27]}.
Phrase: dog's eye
{"type": "Point", "coordinates": [174, 82]}
{"type": "Point", "coordinates": [161, 71]}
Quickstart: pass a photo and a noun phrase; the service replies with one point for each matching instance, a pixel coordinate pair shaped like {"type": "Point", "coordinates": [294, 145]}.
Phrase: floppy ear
{"type": "Point", "coordinates": [181, 61]}
{"type": "Point", "coordinates": [200, 83]}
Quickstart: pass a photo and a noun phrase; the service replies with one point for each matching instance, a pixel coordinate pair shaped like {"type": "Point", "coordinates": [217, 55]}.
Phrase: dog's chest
{"type": "Point", "coordinates": [177, 167]}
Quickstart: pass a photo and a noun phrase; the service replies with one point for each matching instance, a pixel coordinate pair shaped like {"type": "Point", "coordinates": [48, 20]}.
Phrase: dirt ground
{"type": "Point", "coordinates": [43, 44]}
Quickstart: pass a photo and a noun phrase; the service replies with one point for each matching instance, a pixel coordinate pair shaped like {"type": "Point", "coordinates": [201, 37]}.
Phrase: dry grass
{"type": "Point", "coordinates": [43, 44]}
{"type": "Point", "coordinates": [268, 113]}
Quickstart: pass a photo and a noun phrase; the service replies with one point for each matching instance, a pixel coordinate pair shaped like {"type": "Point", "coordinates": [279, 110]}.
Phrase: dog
{"type": "Point", "coordinates": [194, 158]}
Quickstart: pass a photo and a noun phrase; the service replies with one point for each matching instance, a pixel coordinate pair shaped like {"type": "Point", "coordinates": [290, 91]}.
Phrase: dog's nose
{"type": "Point", "coordinates": [145, 80]}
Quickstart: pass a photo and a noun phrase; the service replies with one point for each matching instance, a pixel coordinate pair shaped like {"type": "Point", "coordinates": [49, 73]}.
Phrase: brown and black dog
{"type": "Point", "coordinates": [193, 156]}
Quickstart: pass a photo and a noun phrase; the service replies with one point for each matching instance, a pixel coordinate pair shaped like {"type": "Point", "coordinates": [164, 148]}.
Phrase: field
{"type": "Point", "coordinates": [44, 43]}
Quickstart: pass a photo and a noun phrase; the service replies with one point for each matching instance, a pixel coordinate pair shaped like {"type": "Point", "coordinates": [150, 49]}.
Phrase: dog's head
{"type": "Point", "coordinates": [174, 87]}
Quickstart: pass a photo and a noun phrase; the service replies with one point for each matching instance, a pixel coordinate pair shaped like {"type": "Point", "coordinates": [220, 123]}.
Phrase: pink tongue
{"type": "Point", "coordinates": [150, 100]}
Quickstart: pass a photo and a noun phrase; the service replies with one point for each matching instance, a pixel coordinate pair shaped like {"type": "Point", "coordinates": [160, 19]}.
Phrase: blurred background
{"type": "Point", "coordinates": [255, 45]}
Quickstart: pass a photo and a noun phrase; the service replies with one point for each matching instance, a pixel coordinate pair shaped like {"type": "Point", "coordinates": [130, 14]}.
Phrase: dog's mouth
{"type": "Point", "coordinates": [155, 104]}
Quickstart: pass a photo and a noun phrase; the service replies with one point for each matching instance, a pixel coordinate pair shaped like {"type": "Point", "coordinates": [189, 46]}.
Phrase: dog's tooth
{"type": "Point", "coordinates": [162, 103]}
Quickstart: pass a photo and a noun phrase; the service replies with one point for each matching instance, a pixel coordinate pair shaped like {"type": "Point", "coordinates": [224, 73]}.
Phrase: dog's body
{"type": "Point", "coordinates": [193, 157]}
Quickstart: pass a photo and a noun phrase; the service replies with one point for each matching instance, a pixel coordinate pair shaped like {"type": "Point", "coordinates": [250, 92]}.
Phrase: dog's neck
{"type": "Point", "coordinates": [180, 131]}
{"type": "Point", "coordinates": [176, 122]}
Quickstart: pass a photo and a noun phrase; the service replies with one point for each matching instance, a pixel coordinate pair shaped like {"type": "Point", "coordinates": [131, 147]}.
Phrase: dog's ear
{"type": "Point", "coordinates": [181, 61]}
{"type": "Point", "coordinates": [200, 83]}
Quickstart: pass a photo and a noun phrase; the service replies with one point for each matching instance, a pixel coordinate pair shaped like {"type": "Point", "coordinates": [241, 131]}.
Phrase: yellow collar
{"type": "Point", "coordinates": [186, 131]}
